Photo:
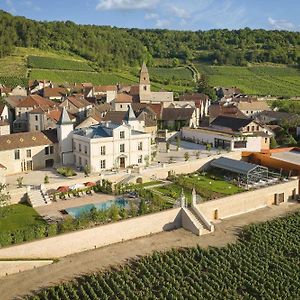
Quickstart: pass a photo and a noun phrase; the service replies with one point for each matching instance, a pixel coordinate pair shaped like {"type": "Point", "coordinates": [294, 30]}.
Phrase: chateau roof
{"type": "Point", "coordinates": [234, 124]}
{"type": "Point", "coordinates": [175, 114]}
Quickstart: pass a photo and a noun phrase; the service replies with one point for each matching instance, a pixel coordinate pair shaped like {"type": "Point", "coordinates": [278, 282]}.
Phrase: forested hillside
{"type": "Point", "coordinates": [111, 47]}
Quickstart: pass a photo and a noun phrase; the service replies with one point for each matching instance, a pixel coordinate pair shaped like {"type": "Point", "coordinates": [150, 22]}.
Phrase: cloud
{"type": "Point", "coordinates": [162, 23]}
{"type": "Point", "coordinates": [151, 16]}
{"type": "Point", "coordinates": [126, 4]}
{"type": "Point", "coordinates": [281, 24]}
{"type": "Point", "coordinates": [179, 12]}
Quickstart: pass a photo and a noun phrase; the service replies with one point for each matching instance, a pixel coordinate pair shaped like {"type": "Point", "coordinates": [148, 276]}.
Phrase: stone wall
{"type": "Point", "coordinates": [248, 201]}
{"type": "Point", "coordinates": [88, 239]}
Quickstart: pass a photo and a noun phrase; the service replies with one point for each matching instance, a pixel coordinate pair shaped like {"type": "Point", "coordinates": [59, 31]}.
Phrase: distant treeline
{"type": "Point", "coordinates": [116, 47]}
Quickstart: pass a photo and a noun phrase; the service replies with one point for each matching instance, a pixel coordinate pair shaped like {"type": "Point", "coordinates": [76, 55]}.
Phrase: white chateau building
{"type": "Point", "coordinates": [109, 145]}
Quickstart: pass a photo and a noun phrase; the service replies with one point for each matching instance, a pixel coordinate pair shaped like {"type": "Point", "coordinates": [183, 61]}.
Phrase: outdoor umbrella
{"type": "Point", "coordinates": [63, 189]}
{"type": "Point", "coordinates": [90, 184]}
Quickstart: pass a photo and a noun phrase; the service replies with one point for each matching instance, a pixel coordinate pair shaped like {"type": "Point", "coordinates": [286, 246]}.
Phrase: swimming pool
{"type": "Point", "coordinates": [79, 210]}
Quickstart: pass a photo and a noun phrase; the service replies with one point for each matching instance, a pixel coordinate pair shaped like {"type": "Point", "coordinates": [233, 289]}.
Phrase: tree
{"type": "Point", "coordinates": [4, 200]}
{"type": "Point", "coordinates": [186, 156]}
{"type": "Point", "coordinates": [87, 171]}
{"type": "Point", "coordinates": [46, 179]}
{"type": "Point", "coordinates": [142, 207]}
{"type": "Point", "coordinates": [273, 143]}
{"type": "Point", "coordinates": [20, 181]}
{"type": "Point", "coordinates": [178, 143]}
{"type": "Point", "coordinates": [203, 87]}
{"type": "Point", "coordinates": [208, 147]}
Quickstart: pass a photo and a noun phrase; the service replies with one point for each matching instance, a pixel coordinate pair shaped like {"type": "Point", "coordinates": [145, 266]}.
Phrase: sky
{"type": "Point", "coordinates": [167, 14]}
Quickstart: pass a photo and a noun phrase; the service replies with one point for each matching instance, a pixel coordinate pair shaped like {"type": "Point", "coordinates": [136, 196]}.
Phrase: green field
{"type": "Point", "coordinates": [19, 217]}
{"type": "Point", "coordinates": [208, 188]}
{"type": "Point", "coordinates": [256, 80]}
{"type": "Point", "coordinates": [76, 76]}
{"type": "Point", "coordinates": [40, 62]}
{"type": "Point", "coordinates": [263, 264]}
{"type": "Point", "coordinates": [175, 74]}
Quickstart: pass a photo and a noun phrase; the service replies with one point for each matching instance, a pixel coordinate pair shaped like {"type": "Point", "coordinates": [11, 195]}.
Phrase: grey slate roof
{"type": "Point", "coordinates": [236, 166]}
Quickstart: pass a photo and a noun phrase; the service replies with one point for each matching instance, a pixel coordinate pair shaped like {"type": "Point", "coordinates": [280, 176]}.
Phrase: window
{"type": "Point", "coordinates": [140, 146]}
{"type": "Point", "coordinates": [253, 128]}
{"type": "Point", "coordinates": [266, 140]}
{"type": "Point", "coordinates": [145, 88]}
{"type": "Point", "coordinates": [28, 153]}
{"type": "Point", "coordinates": [122, 134]}
{"type": "Point", "coordinates": [248, 128]}
{"type": "Point", "coordinates": [85, 149]}
{"type": "Point", "coordinates": [140, 159]}
{"type": "Point", "coordinates": [86, 162]}
{"type": "Point", "coordinates": [79, 145]}
{"type": "Point", "coordinates": [74, 145]}
{"type": "Point", "coordinates": [49, 150]}
{"type": "Point", "coordinates": [103, 164]}
{"type": "Point", "coordinates": [103, 150]}
{"type": "Point", "coordinates": [257, 128]}
{"type": "Point", "coordinates": [17, 154]}
{"type": "Point", "coordinates": [36, 128]}
{"type": "Point", "coordinates": [121, 106]}
{"type": "Point", "coordinates": [122, 148]}
{"type": "Point", "coordinates": [80, 161]}
{"type": "Point", "coordinates": [240, 144]}
{"type": "Point", "coordinates": [36, 118]}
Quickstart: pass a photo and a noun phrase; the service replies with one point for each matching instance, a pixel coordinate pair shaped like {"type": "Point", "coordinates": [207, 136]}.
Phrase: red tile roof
{"type": "Point", "coordinates": [35, 101]}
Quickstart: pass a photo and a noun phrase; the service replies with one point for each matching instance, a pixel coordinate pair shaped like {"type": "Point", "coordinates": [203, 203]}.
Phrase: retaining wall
{"type": "Point", "coordinates": [248, 201]}
{"type": "Point", "coordinates": [66, 244]}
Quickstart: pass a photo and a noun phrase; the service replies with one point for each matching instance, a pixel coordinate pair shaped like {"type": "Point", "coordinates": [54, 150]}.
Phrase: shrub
{"type": "Point", "coordinates": [18, 237]}
{"type": "Point", "coordinates": [66, 171]}
{"type": "Point", "coordinates": [46, 179]}
{"type": "Point", "coordinates": [5, 239]}
{"type": "Point", "coordinates": [29, 234]}
{"type": "Point", "coordinates": [51, 230]}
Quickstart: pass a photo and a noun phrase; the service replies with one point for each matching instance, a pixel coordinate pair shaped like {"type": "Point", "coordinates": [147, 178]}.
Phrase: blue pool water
{"type": "Point", "coordinates": [77, 211]}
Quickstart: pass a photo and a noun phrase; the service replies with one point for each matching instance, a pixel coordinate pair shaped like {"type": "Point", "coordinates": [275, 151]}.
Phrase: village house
{"type": "Point", "coordinates": [55, 93]}
{"type": "Point", "coordinates": [176, 118]}
{"type": "Point", "coordinates": [28, 151]}
{"type": "Point", "coordinates": [250, 107]}
{"type": "Point", "coordinates": [40, 119]}
{"type": "Point", "coordinates": [233, 134]}
{"type": "Point", "coordinates": [25, 106]}
{"type": "Point", "coordinates": [77, 106]}
{"type": "Point", "coordinates": [277, 117]}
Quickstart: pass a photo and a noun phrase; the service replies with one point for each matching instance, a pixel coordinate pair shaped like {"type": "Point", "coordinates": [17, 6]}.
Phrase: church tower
{"type": "Point", "coordinates": [65, 129]}
{"type": "Point", "coordinates": [145, 85]}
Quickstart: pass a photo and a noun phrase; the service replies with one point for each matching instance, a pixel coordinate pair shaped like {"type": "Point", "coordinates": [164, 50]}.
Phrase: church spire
{"type": "Point", "coordinates": [64, 117]}
{"type": "Point", "coordinates": [144, 75]}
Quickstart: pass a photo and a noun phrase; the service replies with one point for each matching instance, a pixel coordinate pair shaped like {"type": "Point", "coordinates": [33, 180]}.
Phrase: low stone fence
{"type": "Point", "coordinates": [248, 201]}
{"type": "Point", "coordinates": [79, 241]}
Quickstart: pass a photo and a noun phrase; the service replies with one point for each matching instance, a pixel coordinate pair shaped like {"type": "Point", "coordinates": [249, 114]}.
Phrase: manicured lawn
{"type": "Point", "coordinates": [20, 216]}
{"type": "Point", "coordinates": [208, 188]}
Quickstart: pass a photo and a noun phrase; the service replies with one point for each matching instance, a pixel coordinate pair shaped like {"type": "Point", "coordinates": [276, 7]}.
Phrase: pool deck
{"type": "Point", "coordinates": [54, 208]}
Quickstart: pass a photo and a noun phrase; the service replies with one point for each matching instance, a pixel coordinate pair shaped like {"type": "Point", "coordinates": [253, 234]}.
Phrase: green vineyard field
{"type": "Point", "coordinates": [263, 264]}
{"type": "Point", "coordinates": [40, 62]}
{"type": "Point", "coordinates": [76, 76]}
{"type": "Point", "coordinates": [257, 80]}
{"type": "Point", "coordinates": [171, 73]}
